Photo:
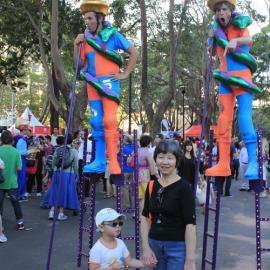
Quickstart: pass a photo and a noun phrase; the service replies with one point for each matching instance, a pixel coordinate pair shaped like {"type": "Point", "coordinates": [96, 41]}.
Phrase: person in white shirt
{"type": "Point", "coordinates": [109, 252]}
{"type": "Point", "coordinates": [54, 136]}
{"type": "Point", "coordinates": [88, 160]}
{"type": "Point", "coordinates": [243, 161]}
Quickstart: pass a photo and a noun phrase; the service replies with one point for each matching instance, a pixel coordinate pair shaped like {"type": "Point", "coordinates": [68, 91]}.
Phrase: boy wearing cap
{"type": "Point", "coordinates": [101, 43]}
{"type": "Point", "coordinates": [109, 252]}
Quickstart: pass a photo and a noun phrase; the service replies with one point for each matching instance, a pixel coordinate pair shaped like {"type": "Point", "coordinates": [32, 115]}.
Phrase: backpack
{"type": "Point", "coordinates": [59, 156]}
{"type": "Point", "coordinates": [150, 188]}
{"type": "Point", "coordinates": [31, 157]}
{"type": "Point", "coordinates": [49, 163]}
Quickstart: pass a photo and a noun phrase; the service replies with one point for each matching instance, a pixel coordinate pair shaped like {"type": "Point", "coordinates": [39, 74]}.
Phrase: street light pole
{"type": "Point", "coordinates": [183, 92]}
{"type": "Point", "coordinates": [129, 103]}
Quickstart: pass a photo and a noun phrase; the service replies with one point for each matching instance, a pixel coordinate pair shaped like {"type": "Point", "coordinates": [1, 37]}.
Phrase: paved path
{"type": "Point", "coordinates": [27, 250]}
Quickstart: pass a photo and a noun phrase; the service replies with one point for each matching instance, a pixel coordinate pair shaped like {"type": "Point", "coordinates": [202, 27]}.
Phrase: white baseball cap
{"type": "Point", "coordinates": [107, 214]}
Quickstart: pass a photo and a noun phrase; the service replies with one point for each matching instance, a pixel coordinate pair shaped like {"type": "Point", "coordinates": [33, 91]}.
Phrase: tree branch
{"type": "Point", "coordinates": [34, 24]}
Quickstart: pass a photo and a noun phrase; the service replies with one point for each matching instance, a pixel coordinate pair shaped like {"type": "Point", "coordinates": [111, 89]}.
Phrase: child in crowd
{"type": "Point", "coordinates": [109, 252]}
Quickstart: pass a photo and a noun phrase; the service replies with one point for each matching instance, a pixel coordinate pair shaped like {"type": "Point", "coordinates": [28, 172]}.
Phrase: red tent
{"type": "Point", "coordinates": [195, 131]}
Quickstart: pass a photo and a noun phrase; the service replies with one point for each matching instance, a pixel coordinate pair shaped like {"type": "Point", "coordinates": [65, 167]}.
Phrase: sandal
{"type": "Point", "coordinates": [107, 196]}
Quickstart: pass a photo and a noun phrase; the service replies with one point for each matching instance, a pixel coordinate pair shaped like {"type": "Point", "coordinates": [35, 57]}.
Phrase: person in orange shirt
{"type": "Point", "coordinates": [101, 70]}
{"type": "Point", "coordinates": [232, 43]}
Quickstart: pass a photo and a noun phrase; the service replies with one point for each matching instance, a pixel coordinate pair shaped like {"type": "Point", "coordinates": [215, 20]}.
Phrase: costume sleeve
{"type": "Point", "coordinates": [121, 42]}
{"type": "Point", "coordinates": [22, 147]}
{"type": "Point", "coordinates": [146, 211]}
{"type": "Point", "coordinates": [188, 205]}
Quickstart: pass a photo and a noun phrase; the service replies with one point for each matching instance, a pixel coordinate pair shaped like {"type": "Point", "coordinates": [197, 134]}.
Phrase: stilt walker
{"type": "Point", "coordinates": [101, 70]}
{"type": "Point", "coordinates": [232, 44]}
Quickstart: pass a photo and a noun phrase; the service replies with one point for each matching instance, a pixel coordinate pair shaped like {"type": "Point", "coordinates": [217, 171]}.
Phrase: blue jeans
{"type": "Point", "coordinates": [170, 254]}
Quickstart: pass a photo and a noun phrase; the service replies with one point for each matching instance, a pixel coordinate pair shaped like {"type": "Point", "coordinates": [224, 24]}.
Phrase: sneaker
{"type": "Point", "coordinates": [27, 195]}
{"type": "Point", "coordinates": [23, 199]}
{"type": "Point", "coordinates": [39, 194]}
{"type": "Point", "coordinates": [75, 213]}
{"type": "Point", "coordinates": [62, 216]}
{"type": "Point", "coordinates": [20, 226]}
{"type": "Point", "coordinates": [3, 238]}
{"type": "Point", "coordinates": [51, 214]}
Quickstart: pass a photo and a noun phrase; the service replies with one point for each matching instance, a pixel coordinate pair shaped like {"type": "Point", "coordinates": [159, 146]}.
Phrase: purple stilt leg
{"type": "Point", "coordinates": [257, 204]}
{"type": "Point", "coordinates": [71, 109]}
{"type": "Point", "coordinates": [216, 210]}
{"type": "Point", "coordinates": [82, 188]}
{"type": "Point", "coordinates": [120, 181]}
{"type": "Point", "coordinates": [137, 212]}
{"type": "Point", "coordinates": [206, 94]}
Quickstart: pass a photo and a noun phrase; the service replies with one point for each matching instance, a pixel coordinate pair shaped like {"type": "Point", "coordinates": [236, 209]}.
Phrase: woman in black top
{"type": "Point", "coordinates": [168, 223]}
{"type": "Point", "coordinates": [188, 164]}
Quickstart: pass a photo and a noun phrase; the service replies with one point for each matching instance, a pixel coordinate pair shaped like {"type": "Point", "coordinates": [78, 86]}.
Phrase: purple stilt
{"type": "Point", "coordinates": [135, 210]}
{"type": "Point", "coordinates": [206, 94]}
{"type": "Point", "coordinates": [118, 182]}
{"type": "Point", "coordinates": [259, 218]}
{"type": "Point", "coordinates": [71, 109]}
{"type": "Point", "coordinates": [216, 210]}
{"type": "Point", "coordinates": [82, 188]}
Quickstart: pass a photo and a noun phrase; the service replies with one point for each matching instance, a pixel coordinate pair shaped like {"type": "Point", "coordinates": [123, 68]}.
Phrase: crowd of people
{"type": "Point", "coordinates": [170, 163]}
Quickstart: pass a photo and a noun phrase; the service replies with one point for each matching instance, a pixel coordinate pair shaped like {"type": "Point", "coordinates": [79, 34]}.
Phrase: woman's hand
{"type": "Point", "coordinates": [189, 265]}
{"type": "Point", "coordinates": [149, 259]}
{"type": "Point", "coordinates": [116, 266]}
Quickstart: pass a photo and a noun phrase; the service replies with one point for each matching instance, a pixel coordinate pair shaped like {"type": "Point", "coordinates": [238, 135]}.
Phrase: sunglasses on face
{"type": "Point", "coordinates": [114, 224]}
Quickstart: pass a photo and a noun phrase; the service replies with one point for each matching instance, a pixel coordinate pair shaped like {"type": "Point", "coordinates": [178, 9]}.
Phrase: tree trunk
{"type": "Point", "coordinates": [155, 117]}
{"type": "Point", "coordinates": [54, 115]}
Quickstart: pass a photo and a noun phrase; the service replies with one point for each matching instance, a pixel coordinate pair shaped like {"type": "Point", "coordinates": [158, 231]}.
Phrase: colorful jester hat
{"type": "Point", "coordinates": [211, 3]}
{"type": "Point", "coordinates": [98, 6]}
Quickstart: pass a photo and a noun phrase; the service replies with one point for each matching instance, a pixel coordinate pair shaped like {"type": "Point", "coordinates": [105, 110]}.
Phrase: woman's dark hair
{"type": "Point", "coordinates": [7, 137]}
{"type": "Point", "coordinates": [48, 137]}
{"type": "Point", "coordinates": [145, 140]}
{"type": "Point", "coordinates": [75, 134]}
{"type": "Point", "coordinates": [60, 140]}
{"type": "Point", "coordinates": [166, 147]}
{"type": "Point", "coordinates": [189, 143]}
{"type": "Point", "coordinates": [229, 5]}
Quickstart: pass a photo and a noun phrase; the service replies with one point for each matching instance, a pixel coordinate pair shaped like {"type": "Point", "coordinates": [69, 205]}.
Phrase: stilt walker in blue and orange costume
{"type": "Point", "coordinates": [232, 44]}
{"type": "Point", "coordinates": [100, 44]}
